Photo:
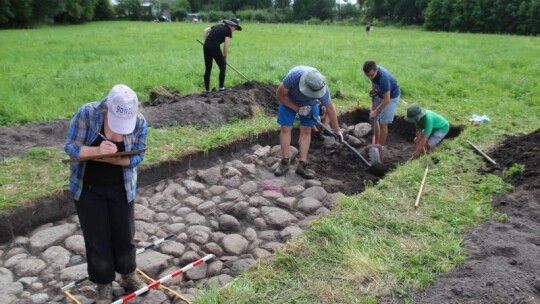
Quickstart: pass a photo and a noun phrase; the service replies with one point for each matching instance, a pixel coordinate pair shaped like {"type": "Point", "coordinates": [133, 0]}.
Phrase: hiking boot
{"type": "Point", "coordinates": [222, 89]}
{"type": "Point", "coordinates": [104, 293]}
{"type": "Point", "coordinates": [132, 281]}
{"type": "Point", "coordinates": [282, 168]}
{"type": "Point", "coordinates": [304, 171]}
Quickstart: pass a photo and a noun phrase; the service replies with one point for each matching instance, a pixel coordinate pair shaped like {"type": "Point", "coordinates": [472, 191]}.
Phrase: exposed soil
{"type": "Point", "coordinates": [503, 261]}
{"type": "Point", "coordinates": [163, 110]}
{"type": "Point", "coordinates": [503, 264]}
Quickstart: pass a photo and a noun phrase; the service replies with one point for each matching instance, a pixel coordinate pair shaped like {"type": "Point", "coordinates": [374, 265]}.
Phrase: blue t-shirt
{"type": "Point", "coordinates": [385, 82]}
{"type": "Point", "coordinates": [292, 83]}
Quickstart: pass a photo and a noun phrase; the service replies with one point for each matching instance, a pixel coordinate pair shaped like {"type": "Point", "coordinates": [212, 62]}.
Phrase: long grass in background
{"type": "Point", "coordinates": [49, 72]}
{"type": "Point", "coordinates": [372, 245]}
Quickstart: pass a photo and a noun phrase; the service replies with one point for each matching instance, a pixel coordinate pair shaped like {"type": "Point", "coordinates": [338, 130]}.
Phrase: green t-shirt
{"type": "Point", "coordinates": [432, 122]}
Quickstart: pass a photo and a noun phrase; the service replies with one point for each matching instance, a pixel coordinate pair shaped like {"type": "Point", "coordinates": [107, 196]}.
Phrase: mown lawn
{"type": "Point", "coordinates": [373, 243]}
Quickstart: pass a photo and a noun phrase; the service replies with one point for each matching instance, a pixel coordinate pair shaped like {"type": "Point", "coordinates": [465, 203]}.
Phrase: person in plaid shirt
{"type": "Point", "coordinates": [104, 189]}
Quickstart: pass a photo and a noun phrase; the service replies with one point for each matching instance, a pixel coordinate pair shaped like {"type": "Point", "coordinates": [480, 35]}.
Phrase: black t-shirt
{"type": "Point", "coordinates": [100, 173]}
{"type": "Point", "coordinates": [217, 35]}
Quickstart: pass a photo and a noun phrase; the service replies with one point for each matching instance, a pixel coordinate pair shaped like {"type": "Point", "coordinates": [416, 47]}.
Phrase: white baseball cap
{"type": "Point", "coordinates": [122, 105]}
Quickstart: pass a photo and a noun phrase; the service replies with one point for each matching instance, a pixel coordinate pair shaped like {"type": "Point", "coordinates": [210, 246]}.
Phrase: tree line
{"type": "Point", "coordinates": [476, 16]}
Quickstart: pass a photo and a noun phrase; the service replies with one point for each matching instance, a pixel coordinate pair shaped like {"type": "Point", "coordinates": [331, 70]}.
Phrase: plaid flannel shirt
{"type": "Point", "coordinates": [83, 131]}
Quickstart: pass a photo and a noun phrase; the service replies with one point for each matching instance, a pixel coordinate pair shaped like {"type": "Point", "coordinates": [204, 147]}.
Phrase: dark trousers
{"type": "Point", "coordinates": [108, 226]}
{"type": "Point", "coordinates": [213, 53]}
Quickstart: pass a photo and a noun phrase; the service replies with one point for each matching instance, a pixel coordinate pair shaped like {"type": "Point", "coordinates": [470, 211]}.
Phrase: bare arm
{"type": "Point", "coordinates": [281, 95]}
{"type": "Point", "coordinates": [386, 100]}
{"type": "Point", "coordinates": [421, 142]}
{"type": "Point", "coordinates": [106, 147]}
{"type": "Point", "coordinates": [206, 31]}
{"type": "Point", "coordinates": [332, 115]}
{"type": "Point", "coordinates": [226, 46]}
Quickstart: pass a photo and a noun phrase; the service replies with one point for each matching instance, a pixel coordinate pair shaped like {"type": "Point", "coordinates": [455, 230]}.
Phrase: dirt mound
{"type": "Point", "coordinates": [166, 108]}
{"type": "Point", "coordinates": [503, 261]}
{"type": "Point", "coordinates": [524, 150]}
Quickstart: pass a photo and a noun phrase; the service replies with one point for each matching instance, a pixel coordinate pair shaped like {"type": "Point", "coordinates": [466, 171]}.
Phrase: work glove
{"type": "Point", "coordinates": [339, 136]}
{"type": "Point", "coordinates": [372, 93]}
{"type": "Point", "coordinates": [304, 111]}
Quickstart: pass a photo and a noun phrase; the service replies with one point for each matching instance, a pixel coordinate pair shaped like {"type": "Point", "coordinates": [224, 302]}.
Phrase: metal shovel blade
{"type": "Point", "coordinates": [376, 169]}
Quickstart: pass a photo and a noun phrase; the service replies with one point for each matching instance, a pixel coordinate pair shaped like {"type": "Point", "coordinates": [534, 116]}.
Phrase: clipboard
{"type": "Point", "coordinates": [76, 159]}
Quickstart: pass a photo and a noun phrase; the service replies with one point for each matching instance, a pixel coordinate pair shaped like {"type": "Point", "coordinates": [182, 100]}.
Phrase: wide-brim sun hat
{"type": "Point", "coordinates": [313, 84]}
{"type": "Point", "coordinates": [414, 113]}
{"type": "Point", "coordinates": [233, 21]}
{"type": "Point", "coordinates": [122, 109]}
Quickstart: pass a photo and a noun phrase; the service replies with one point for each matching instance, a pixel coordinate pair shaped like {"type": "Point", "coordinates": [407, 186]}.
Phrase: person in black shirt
{"type": "Point", "coordinates": [213, 37]}
{"type": "Point", "coordinates": [104, 189]}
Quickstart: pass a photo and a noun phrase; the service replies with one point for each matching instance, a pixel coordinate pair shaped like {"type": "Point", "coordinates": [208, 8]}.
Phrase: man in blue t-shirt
{"type": "Point", "coordinates": [298, 94]}
{"type": "Point", "coordinates": [385, 95]}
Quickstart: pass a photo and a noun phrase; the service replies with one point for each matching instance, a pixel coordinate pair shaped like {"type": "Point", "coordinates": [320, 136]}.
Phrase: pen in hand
{"type": "Point", "coordinates": [103, 136]}
{"type": "Point", "coordinates": [107, 146]}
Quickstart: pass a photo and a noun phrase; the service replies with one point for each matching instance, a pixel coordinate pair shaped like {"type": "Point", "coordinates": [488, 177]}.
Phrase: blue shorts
{"type": "Point", "coordinates": [436, 137]}
{"type": "Point", "coordinates": [386, 116]}
{"type": "Point", "coordinates": [286, 116]}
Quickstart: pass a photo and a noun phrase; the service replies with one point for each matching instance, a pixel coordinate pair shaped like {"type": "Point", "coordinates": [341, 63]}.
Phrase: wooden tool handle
{"type": "Point", "coordinates": [421, 188]}
{"type": "Point", "coordinates": [489, 159]}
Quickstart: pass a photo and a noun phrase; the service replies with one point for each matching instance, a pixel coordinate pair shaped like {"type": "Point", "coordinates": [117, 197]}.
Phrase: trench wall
{"type": "Point", "coordinates": [21, 220]}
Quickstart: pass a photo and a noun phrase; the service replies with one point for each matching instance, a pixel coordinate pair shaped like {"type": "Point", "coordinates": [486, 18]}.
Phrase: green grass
{"type": "Point", "coordinates": [372, 244]}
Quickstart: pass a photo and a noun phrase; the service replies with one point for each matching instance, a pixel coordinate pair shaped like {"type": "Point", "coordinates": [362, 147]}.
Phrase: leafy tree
{"type": "Point", "coordinates": [481, 16]}
{"type": "Point", "coordinates": [533, 20]}
{"type": "Point", "coordinates": [5, 11]}
{"type": "Point", "coordinates": [461, 16]}
{"type": "Point", "coordinates": [104, 10]}
{"type": "Point", "coordinates": [282, 3]}
{"type": "Point", "coordinates": [231, 5]}
{"type": "Point", "coordinates": [77, 11]}
{"type": "Point", "coordinates": [45, 10]}
{"type": "Point", "coordinates": [306, 9]}
{"type": "Point", "coordinates": [180, 9]}
{"type": "Point", "coordinates": [349, 11]}
{"type": "Point", "coordinates": [130, 9]}
{"type": "Point", "coordinates": [437, 15]}
{"type": "Point", "coordinates": [522, 14]}
{"type": "Point", "coordinates": [376, 9]}
{"type": "Point", "coordinates": [23, 12]}
{"type": "Point", "coordinates": [410, 11]}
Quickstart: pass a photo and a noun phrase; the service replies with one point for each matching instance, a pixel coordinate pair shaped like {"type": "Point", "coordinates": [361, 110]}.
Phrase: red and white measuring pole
{"type": "Point", "coordinates": [163, 280]}
{"type": "Point", "coordinates": [140, 250]}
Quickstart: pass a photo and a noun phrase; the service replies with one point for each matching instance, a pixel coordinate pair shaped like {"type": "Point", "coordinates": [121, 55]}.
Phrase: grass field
{"type": "Point", "coordinates": [373, 243]}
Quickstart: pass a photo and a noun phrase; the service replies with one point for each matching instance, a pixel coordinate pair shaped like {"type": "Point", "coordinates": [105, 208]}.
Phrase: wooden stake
{"type": "Point", "coordinates": [489, 159]}
{"type": "Point", "coordinates": [421, 188]}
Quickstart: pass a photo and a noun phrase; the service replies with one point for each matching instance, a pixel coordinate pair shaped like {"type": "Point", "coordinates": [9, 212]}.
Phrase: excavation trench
{"type": "Point", "coordinates": [331, 162]}
{"type": "Point", "coordinates": [225, 202]}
